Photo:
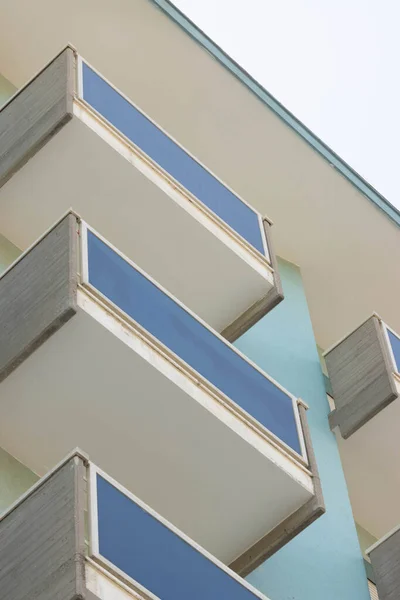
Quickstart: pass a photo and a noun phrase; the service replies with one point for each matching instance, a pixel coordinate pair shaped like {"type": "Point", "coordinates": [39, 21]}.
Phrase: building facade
{"type": "Point", "coordinates": [198, 348]}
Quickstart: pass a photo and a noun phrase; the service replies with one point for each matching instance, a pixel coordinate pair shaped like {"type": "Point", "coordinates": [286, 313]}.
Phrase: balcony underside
{"type": "Point", "coordinates": [144, 215]}
{"type": "Point", "coordinates": [96, 384]}
{"type": "Point", "coordinates": [369, 459]}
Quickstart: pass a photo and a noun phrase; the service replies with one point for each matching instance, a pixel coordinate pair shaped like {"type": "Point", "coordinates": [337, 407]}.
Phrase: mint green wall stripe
{"type": "Point", "coordinates": [15, 479]}
{"type": "Point", "coordinates": [8, 253]}
{"type": "Point", "coordinates": [325, 561]}
{"type": "Point", "coordinates": [6, 89]}
{"type": "Point", "coordinates": [351, 175]}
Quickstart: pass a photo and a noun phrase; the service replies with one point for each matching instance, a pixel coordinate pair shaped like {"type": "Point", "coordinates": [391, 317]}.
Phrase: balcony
{"type": "Point", "coordinates": [128, 552]}
{"type": "Point", "coordinates": [94, 352]}
{"type": "Point", "coordinates": [385, 559]}
{"type": "Point", "coordinates": [364, 373]}
{"type": "Point", "coordinates": [70, 139]}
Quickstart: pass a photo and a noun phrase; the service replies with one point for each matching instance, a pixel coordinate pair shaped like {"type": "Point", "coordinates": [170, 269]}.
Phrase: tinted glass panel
{"type": "Point", "coordinates": [173, 159]}
{"type": "Point", "coordinates": [191, 341]}
{"type": "Point", "coordinates": [154, 556]}
{"type": "Point", "coordinates": [395, 343]}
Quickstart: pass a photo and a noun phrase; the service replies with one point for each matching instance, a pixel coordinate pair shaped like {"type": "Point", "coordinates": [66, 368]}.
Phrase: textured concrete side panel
{"type": "Point", "coordinates": [42, 540]}
{"type": "Point", "coordinates": [38, 295]}
{"type": "Point", "coordinates": [294, 524]}
{"type": "Point", "coordinates": [386, 565]}
{"type": "Point", "coordinates": [263, 306]}
{"type": "Point", "coordinates": [34, 115]}
{"type": "Point", "coordinates": [361, 377]}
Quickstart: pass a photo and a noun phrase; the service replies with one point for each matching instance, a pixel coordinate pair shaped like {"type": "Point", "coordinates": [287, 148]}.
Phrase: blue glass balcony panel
{"type": "Point", "coordinates": [191, 341]}
{"type": "Point", "coordinates": [395, 344]}
{"type": "Point", "coordinates": [155, 556]}
{"type": "Point", "coordinates": [171, 157]}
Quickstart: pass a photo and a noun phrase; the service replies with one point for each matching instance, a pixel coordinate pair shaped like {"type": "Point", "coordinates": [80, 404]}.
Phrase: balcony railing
{"type": "Point", "coordinates": [364, 374]}
{"type": "Point", "coordinates": [129, 546]}
{"type": "Point", "coordinates": [91, 147]}
{"type": "Point", "coordinates": [128, 363]}
{"type": "Point", "coordinates": [122, 283]}
{"type": "Point", "coordinates": [129, 537]}
{"type": "Point", "coordinates": [394, 345]}
{"type": "Point", "coordinates": [140, 130]}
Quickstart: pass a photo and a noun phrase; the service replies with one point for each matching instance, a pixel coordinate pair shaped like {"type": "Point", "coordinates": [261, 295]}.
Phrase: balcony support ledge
{"type": "Point", "coordinates": [294, 524]}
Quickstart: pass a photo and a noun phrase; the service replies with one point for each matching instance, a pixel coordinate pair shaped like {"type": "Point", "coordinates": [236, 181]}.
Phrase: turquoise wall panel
{"type": "Point", "coordinates": [325, 561]}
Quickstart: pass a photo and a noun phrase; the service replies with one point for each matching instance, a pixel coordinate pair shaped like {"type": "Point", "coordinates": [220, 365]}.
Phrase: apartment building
{"type": "Point", "coordinates": [198, 349]}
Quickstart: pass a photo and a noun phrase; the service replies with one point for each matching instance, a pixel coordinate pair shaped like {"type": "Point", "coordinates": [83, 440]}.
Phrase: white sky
{"type": "Point", "coordinates": [334, 64]}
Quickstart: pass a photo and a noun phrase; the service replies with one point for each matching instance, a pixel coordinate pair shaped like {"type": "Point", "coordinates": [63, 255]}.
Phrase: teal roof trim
{"type": "Point", "coordinates": [340, 165]}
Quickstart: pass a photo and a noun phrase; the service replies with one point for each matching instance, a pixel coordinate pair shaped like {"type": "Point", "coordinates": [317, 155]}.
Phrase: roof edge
{"type": "Point", "coordinates": [285, 115]}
